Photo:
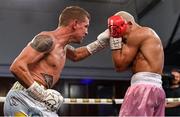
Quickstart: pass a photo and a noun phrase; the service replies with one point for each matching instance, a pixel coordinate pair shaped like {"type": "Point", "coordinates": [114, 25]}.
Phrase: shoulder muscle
{"type": "Point", "coordinates": [42, 43]}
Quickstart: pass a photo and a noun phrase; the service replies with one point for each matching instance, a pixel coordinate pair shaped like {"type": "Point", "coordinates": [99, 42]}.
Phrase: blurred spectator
{"type": "Point", "coordinates": [172, 90]}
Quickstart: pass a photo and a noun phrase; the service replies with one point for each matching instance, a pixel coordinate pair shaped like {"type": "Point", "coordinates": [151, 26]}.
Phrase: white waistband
{"type": "Point", "coordinates": [18, 86]}
{"type": "Point", "coordinates": [147, 78]}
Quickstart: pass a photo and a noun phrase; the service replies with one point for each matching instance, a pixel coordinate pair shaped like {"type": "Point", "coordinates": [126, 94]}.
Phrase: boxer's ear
{"type": "Point", "coordinates": [129, 23]}
{"type": "Point", "coordinates": [75, 24]}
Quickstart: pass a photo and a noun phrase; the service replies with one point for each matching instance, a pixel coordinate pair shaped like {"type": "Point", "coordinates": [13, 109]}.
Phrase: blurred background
{"type": "Point", "coordinates": [94, 77]}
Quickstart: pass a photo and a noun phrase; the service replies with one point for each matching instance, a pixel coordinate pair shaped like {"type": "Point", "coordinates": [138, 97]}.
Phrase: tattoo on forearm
{"type": "Point", "coordinates": [42, 43]}
{"type": "Point", "coordinates": [48, 79]}
{"type": "Point", "coordinates": [69, 47]}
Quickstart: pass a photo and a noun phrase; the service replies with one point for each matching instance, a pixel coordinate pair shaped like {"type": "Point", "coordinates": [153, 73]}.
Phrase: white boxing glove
{"type": "Point", "coordinates": [51, 98]}
{"type": "Point", "coordinates": [115, 43]}
{"type": "Point", "coordinates": [101, 42]}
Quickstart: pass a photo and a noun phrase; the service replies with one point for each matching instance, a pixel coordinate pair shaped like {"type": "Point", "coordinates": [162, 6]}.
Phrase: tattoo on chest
{"type": "Point", "coordinates": [48, 79]}
{"type": "Point", "coordinates": [42, 43]}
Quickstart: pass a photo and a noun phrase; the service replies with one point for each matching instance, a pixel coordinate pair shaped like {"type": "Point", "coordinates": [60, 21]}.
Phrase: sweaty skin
{"type": "Point", "coordinates": [142, 52]}
{"type": "Point", "coordinates": [43, 59]}
{"type": "Point", "coordinates": [50, 65]}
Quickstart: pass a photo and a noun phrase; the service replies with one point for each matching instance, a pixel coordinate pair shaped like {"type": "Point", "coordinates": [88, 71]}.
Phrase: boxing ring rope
{"type": "Point", "coordinates": [97, 100]}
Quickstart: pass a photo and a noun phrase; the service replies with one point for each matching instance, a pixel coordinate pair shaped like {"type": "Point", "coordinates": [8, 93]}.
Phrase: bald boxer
{"type": "Point", "coordinates": [140, 49]}
{"type": "Point", "coordinates": [38, 67]}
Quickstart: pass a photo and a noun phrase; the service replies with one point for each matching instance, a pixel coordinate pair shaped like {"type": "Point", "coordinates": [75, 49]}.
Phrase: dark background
{"type": "Point", "coordinates": [21, 20]}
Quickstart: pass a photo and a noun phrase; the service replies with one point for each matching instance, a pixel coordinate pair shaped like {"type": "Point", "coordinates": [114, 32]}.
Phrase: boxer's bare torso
{"type": "Point", "coordinates": [48, 69]}
{"type": "Point", "coordinates": [44, 57]}
{"type": "Point", "coordinates": [142, 51]}
{"type": "Point", "coordinates": [150, 56]}
{"type": "Point", "coordinates": [44, 66]}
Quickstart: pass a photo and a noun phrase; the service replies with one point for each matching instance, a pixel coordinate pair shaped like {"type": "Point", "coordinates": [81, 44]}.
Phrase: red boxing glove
{"type": "Point", "coordinates": [117, 26]}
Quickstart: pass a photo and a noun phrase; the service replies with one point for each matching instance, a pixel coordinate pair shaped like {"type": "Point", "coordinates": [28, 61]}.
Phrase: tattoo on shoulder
{"type": "Point", "coordinates": [42, 43]}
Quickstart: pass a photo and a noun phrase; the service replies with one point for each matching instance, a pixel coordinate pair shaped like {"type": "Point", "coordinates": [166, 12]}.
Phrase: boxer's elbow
{"type": "Point", "coordinates": [13, 68]}
{"type": "Point", "coordinates": [75, 59]}
{"type": "Point", "coordinates": [119, 68]}
{"type": "Point", "coordinates": [120, 64]}
{"type": "Point", "coordinates": [16, 67]}
{"type": "Point", "coordinates": [79, 56]}
{"type": "Point", "coordinates": [72, 58]}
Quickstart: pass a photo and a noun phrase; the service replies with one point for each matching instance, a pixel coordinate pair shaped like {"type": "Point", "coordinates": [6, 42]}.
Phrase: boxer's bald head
{"type": "Point", "coordinates": [127, 16]}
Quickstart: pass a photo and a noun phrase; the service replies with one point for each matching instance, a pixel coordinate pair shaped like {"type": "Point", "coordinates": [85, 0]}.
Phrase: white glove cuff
{"type": "Point", "coordinates": [101, 42]}
{"type": "Point", "coordinates": [36, 91]}
{"type": "Point", "coordinates": [115, 43]}
{"type": "Point", "coordinates": [94, 47]}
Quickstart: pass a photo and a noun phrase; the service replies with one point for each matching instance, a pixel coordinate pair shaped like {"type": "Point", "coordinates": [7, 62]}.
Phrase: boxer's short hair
{"type": "Point", "coordinates": [72, 13]}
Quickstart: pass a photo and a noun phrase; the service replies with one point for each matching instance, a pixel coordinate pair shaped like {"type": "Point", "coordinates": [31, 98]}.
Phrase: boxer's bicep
{"type": "Point", "coordinates": [36, 49]}
{"type": "Point", "coordinates": [28, 55]}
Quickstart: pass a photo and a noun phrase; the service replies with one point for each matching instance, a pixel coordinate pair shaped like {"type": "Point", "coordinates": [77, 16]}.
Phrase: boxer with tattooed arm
{"type": "Point", "coordinates": [39, 65]}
